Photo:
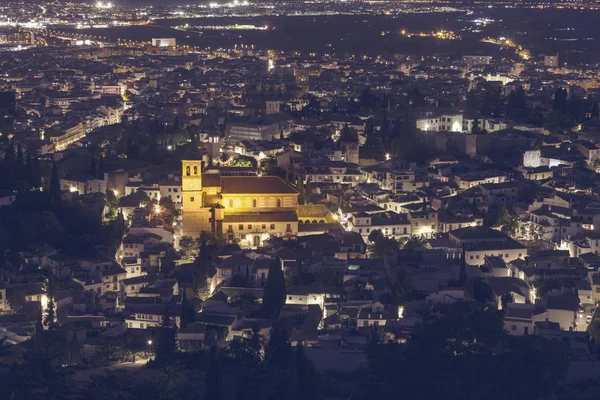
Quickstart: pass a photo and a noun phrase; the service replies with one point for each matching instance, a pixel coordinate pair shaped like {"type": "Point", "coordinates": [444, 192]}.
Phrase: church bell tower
{"type": "Point", "coordinates": [191, 195]}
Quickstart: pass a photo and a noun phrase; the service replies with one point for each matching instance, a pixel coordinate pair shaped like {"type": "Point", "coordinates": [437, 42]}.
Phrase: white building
{"type": "Point", "coordinates": [164, 42]}
{"type": "Point", "coordinates": [444, 122]}
{"type": "Point", "coordinates": [551, 61]}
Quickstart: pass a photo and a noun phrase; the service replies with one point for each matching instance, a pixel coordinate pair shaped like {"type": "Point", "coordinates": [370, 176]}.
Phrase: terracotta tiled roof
{"type": "Point", "coordinates": [255, 184]}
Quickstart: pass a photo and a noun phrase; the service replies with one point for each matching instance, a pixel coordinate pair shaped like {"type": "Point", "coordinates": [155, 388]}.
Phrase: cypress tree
{"type": "Point", "coordinates": [188, 313]}
{"type": "Point", "coordinates": [214, 376]}
{"type": "Point", "coordinates": [50, 313]}
{"type": "Point", "coordinates": [278, 350]}
{"type": "Point", "coordinates": [55, 192]}
{"type": "Point", "coordinates": [93, 171]}
{"type": "Point", "coordinates": [595, 110]}
{"type": "Point", "coordinates": [560, 102]}
{"type": "Point", "coordinates": [101, 167]}
{"type": "Point", "coordinates": [475, 129]}
{"type": "Point", "coordinates": [20, 154]}
{"type": "Point", "coordinates": [9, 156]}
{"type": "Point", "coordinates": [74, 351]}
{"type": "Point", "coordinates": [28, 170]}
{"type": "Point", "coordinates": [38, 339]}
{"type": "Point", "coordinates": [167, 344]}
{"type": "Point", "coordinates": [33, 176]}
{"type": "Point", "coordinates": [8, 168]}
{"type": "Point", "coordinates": [130, 148]}
{"type": "Point", "coordinates": [153, 149]}
{"type": "Point", "coordinates": [274, 292]}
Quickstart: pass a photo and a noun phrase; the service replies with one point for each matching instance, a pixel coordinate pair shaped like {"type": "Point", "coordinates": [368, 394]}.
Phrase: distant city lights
{"type": "Point", "coordinates": [103, 5]}
{"type": "Point", "coordinates": [234, 3]}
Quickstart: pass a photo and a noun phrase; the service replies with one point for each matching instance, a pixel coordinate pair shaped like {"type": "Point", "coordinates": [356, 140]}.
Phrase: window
{"type": "Point", "coordinates": [195, 170]}
{"type": "Point", "coordinates": [230, 227]}
{"type": "Point", "coordinates": [249, 226]}
{"type": "Point", "coordinates": [272, 226]}
{"type": "Point", "coordinates": [254, 203]}
{"type": "Point", "coordinates": [264, 226]}
{"type": "Point", "coordinates": [187, 171]}
{"type": "Point", "coordinates": [169, 190]}
{"type": "Point", "coordinates": [289, 297]}
{"type": "Point", "coordinates": [241, 227]}
{"type": "Point", "coordinates": [191, 199]}
{"type": "Point", "coordinates": [471, 257]}
{"type": "Point", "coordinates": [360, 230]}
{"type": "Point", "coordinates": [230, 203]}
{"type": "Point", "coordinates": [223, 273]}
{"type": "Point", "coordinates": [278, 202]}
{"type": "Point", "coordinates": [289, 227]}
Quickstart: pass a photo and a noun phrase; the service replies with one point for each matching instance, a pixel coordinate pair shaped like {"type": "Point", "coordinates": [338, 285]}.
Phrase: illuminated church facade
{"type": "Point", "coordinates": [248, 209]}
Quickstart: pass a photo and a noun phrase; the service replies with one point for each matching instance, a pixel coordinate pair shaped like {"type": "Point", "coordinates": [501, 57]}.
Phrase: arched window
{"type": "Point", "coordinates": [195, 170]}
{"type": "Point", "coordinates": [314, 221]}
{"type": "Point", "coordinates": [187, 170]}
{"type": "Point", "coordinates": [278, 202]}
{"type": "Point", "coordinates": [254, 202]}
{"type": "Point", "coordinates": [230, 203]}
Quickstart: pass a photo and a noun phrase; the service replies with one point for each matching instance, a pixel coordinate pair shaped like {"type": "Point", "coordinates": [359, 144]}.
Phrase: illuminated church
{"type": "Point", "coordinates": [245, 208]}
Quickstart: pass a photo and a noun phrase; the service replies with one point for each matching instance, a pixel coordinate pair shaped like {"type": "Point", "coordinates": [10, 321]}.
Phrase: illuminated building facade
{"type": "Point", "coordinates": [248, 209]}
{"type": "Point", "coordinates": [164, 42]}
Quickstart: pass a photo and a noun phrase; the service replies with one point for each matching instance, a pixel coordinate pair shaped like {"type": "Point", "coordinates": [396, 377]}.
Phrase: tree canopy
{"type": "Point", "coordinates": [461, 351]}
